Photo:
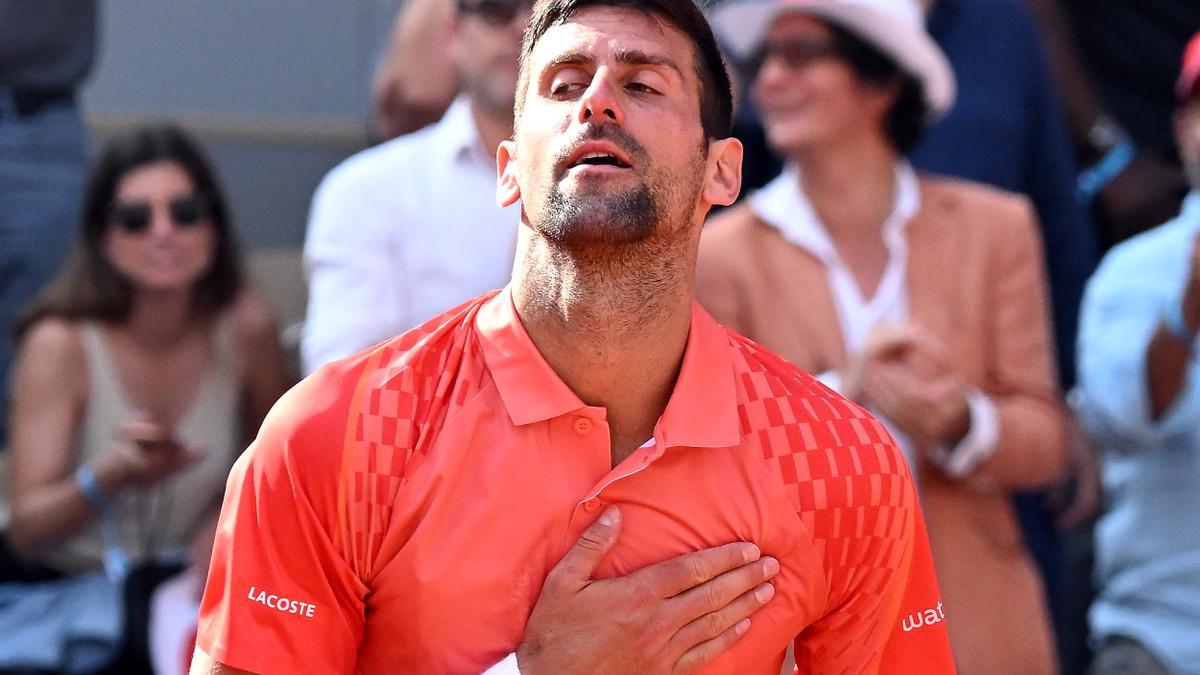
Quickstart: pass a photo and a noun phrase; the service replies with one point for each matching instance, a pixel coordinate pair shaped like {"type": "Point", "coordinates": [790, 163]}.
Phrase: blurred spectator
{"type": "Point", "coordinates": [46, 50]}
{"type": "Point", "coordinates": [1114, 64]}
{"type": "Point", "coordinates": [415, 80]}
{"type": "Point", "coordinates": [142, 369]}
{"type": "Point", "coordinates": [923, 298]}
{"type": "Point", "coordinates": [1140, 402]}
{"type": "Point", "coordinates": [407, 229]}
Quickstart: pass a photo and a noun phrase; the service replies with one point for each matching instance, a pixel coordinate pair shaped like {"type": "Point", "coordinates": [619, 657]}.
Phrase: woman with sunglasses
{"type": "Point", "coordinates": [143, 369]}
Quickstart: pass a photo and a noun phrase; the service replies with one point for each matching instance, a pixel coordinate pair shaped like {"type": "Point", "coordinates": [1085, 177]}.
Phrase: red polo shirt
{"type": "Point", "coordinates": [401, 508]}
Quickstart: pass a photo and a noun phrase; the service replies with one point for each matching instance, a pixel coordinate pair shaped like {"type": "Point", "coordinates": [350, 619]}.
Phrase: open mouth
{"type": "Point", "coordinates": [600, 159]}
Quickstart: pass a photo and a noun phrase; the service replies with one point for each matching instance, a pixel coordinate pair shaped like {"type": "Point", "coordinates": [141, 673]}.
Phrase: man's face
{"type": "Point", "coordinates": [807, 95]}
{"type": "Point", "coordinates": [485, 45]}
{"type": "Point", "coordinates": [1187, 135]}
{"type": "Point", "coordinates": [609, 146]}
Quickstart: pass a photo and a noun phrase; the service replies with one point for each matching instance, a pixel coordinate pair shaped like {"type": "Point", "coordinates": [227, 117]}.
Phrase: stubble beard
{"type": "Point", "coordinates": [576, 221]}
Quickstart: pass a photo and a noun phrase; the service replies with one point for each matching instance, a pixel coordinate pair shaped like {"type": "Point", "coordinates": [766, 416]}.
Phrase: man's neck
{"type": "Point", "coordinates": [614, 328]}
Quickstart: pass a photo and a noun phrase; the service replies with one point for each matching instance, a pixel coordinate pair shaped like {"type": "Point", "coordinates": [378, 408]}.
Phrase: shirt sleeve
{"type": "Point", "coordinates": [355, 295]}
{"type": "Point", "coordinates": [885, 613]}
{"type": "Point", "coordinates": [281, 596]}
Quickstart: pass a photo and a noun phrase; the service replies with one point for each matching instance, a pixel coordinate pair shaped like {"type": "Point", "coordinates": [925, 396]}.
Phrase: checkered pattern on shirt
{"type": "Point", "coordinates": [850, 485]}
{"type": "Point", "coordinates": [415, 382]}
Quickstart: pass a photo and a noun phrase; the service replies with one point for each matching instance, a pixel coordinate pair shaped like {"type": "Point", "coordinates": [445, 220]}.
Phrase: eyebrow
{"type": "Point", "coordinates": [632, 57]}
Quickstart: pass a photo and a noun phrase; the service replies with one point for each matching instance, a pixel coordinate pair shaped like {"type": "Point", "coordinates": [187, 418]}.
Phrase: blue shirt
{"type": "Point", "coordinates": [1148, 542]}
{"type": "Point", "coordinates": [1007, 130]}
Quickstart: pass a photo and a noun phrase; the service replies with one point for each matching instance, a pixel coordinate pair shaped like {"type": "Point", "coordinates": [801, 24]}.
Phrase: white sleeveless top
{"type": "Point", "coordinates": [157, 521]}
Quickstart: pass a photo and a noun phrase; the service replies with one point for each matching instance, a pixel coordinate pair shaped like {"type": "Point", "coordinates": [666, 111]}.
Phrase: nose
{"type": "Point", "coordinates": [599, 104]}
{"type": "Point", "coordinates": [161, 220]}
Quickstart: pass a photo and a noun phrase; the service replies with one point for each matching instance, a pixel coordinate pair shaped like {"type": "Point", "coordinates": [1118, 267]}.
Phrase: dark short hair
{"type": "Point", "coordinates": [716, 97]}
{"type": "Point", "coordinates": [905, 122]}
{"type": "Point", "coordinates": [89, 287]}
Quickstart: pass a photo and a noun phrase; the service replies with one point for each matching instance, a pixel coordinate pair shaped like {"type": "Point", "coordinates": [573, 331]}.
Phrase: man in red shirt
{"type": "Point", "coordinates": [452, 498]}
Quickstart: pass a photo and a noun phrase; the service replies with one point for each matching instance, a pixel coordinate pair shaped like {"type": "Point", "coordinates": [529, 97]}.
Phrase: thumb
{"type": "Point", "coordinates": [577, 566]}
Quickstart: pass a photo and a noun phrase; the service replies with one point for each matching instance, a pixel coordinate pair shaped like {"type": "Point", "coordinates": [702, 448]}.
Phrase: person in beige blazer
{"type": "Point", "coordinates": [922, 298]}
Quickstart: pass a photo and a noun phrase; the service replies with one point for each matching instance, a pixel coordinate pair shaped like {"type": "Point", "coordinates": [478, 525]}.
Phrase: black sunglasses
{"type": "Point", "coordinates": [494, 12]}
{"type": "Point", "coordinates": [135, 217]}
{"type": "Point", "coordinates": [794, 54]}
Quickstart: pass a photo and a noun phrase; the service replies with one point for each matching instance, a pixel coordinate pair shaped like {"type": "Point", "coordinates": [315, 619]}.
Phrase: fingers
{"type": "Point", "coordinates": [576, 568]}
{"type": "Point", "coordinates": [672, 577]}
{"type": "Point", "coordinates": [703, 640]}
{"type": "Point", "coordinates": [706, 652]}
{"type": "Point", "coordinates": [710, 608]}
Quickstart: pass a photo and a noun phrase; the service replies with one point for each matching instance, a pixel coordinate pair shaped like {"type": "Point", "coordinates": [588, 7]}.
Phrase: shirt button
{"type": "Point", "coordinates": [583, 426]}
{"type": "Point", "coordinates": [591, 505]}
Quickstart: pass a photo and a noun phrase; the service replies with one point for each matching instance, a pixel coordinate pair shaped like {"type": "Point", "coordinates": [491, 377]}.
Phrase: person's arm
{"type": "Point", "coordinates": [1134, 387]}
{"type": "Point", "coordinates": [1143, 192]}
{"type": "Point", "coordinates": [1020, 376]}
{"type": "Point", "coordinates": [261, 362]}
{"type": "Point", "coordinates": [415, 80]}
{"type": "Point", "coordinates": [355, 279]}
{"type": "Point", "coordinates": [49, 501]}
{"type": "Point", "coordinates": [1170, 350]}
{"type": "Point", "coordinates": [47, 400]}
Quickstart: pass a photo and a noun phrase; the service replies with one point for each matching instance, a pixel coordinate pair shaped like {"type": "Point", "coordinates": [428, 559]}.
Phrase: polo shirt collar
{"type": "Point", "coordinates": [702, 410]}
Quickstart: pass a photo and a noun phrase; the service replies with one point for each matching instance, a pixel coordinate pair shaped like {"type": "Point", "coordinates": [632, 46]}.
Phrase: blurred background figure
{"type": "Point", "coordinates": [46, 51]}
{"type": "Point", "coordinates": [415, 80]}
{"type": "Point", "coordinates": [143, 370]}
{"type": "Point", "coordinates": [923, 298]}
{"type": "Point", "coordinates": [1114, 65]}
{"type": "Point", "coordinates": [407, 229]}
{"type": "Point", "coordinates": [1140, 401]}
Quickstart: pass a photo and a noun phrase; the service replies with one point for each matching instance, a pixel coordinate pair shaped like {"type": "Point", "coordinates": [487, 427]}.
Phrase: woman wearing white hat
{"type": "Point", "coordinates": [920, 297]}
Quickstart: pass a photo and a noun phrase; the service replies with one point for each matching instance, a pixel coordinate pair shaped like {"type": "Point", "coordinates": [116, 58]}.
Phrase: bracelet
{"type": "Point", "coordinates": [90, 487]}
{"type": "Point", "coordinates": [1093, 180]}
{"type": "Point", "coordinates": [1176, 325]}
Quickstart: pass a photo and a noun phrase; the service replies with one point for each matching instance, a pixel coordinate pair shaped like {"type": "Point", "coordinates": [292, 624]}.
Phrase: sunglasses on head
{"type": "Point", "coordinates": [135, 217]}
{"type": "Point", "coordinates": [494, 12]}
{"type": "Point", "coordinates": [793, 54]}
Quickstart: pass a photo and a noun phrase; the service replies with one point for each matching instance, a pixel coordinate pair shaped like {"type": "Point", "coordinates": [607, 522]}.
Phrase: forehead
{"type": "Point", "coordinates": [158, 176]}
{"type": "Point", "coordinates": [602, 33]}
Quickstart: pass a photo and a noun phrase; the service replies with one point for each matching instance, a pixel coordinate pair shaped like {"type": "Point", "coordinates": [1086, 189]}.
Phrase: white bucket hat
{"type": "Point", "coordinates": [894, 27]}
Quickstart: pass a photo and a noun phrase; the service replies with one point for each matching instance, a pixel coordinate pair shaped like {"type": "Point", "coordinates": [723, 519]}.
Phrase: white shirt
{"type": "Point", "coordinates": [402, 232]}
{"type": "Point", "coordinates": [783, 205]}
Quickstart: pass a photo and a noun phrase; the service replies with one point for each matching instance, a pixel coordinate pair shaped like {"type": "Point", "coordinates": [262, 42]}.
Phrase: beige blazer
{"type": "Point", "coordinates": [976, 280]}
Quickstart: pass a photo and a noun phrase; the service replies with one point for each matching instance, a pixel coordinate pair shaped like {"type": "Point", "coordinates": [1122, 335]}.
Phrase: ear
{"type": "Point", "coordinates": [508, 191]}
{"type": "Point", "coordinates": [723, 180]}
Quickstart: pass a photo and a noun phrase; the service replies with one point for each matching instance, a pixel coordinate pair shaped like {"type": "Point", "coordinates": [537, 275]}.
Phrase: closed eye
{"type": "Point", "coordinates": [564, 88]}
{"type": "Point", "coordinates": [641, 88]}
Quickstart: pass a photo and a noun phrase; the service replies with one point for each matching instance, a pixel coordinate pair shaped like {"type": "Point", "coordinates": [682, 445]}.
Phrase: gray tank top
{"type": "Point", "coordinates": [157, 521]}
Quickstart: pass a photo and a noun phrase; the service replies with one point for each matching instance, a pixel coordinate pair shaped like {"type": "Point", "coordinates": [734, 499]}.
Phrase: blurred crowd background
{"type": "Point", "coordinates": [201, 202]}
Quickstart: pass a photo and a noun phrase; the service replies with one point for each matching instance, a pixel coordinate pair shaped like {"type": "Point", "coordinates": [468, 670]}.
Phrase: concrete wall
{"type": "Point", "coordinates": [276, 89]}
